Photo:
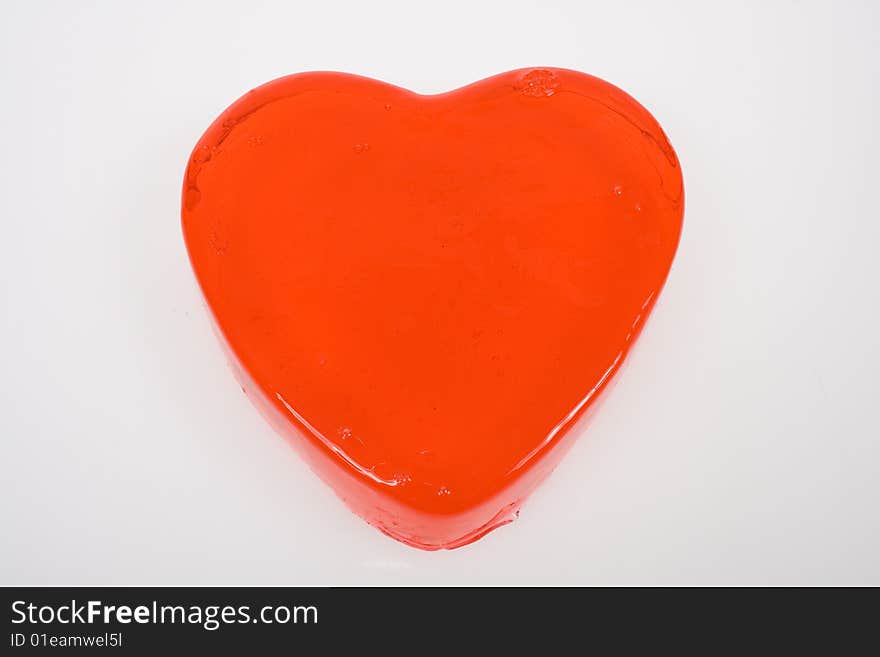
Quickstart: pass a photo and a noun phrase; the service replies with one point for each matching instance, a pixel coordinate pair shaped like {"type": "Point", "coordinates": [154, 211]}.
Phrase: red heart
{"type": "Point", "coordinates": [425, 292]}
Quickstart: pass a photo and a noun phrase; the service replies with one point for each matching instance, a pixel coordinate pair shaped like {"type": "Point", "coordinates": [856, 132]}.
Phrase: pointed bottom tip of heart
{"type": "Point", "coordinates": [504, 517]}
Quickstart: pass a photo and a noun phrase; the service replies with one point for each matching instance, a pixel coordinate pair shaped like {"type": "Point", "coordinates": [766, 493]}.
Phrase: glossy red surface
{"type": "Point", "coordinates": [424, 293]}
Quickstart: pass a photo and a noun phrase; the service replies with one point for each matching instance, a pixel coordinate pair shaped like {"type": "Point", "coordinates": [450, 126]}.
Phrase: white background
{"type": "Point", "coordinates": [740, 445]}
